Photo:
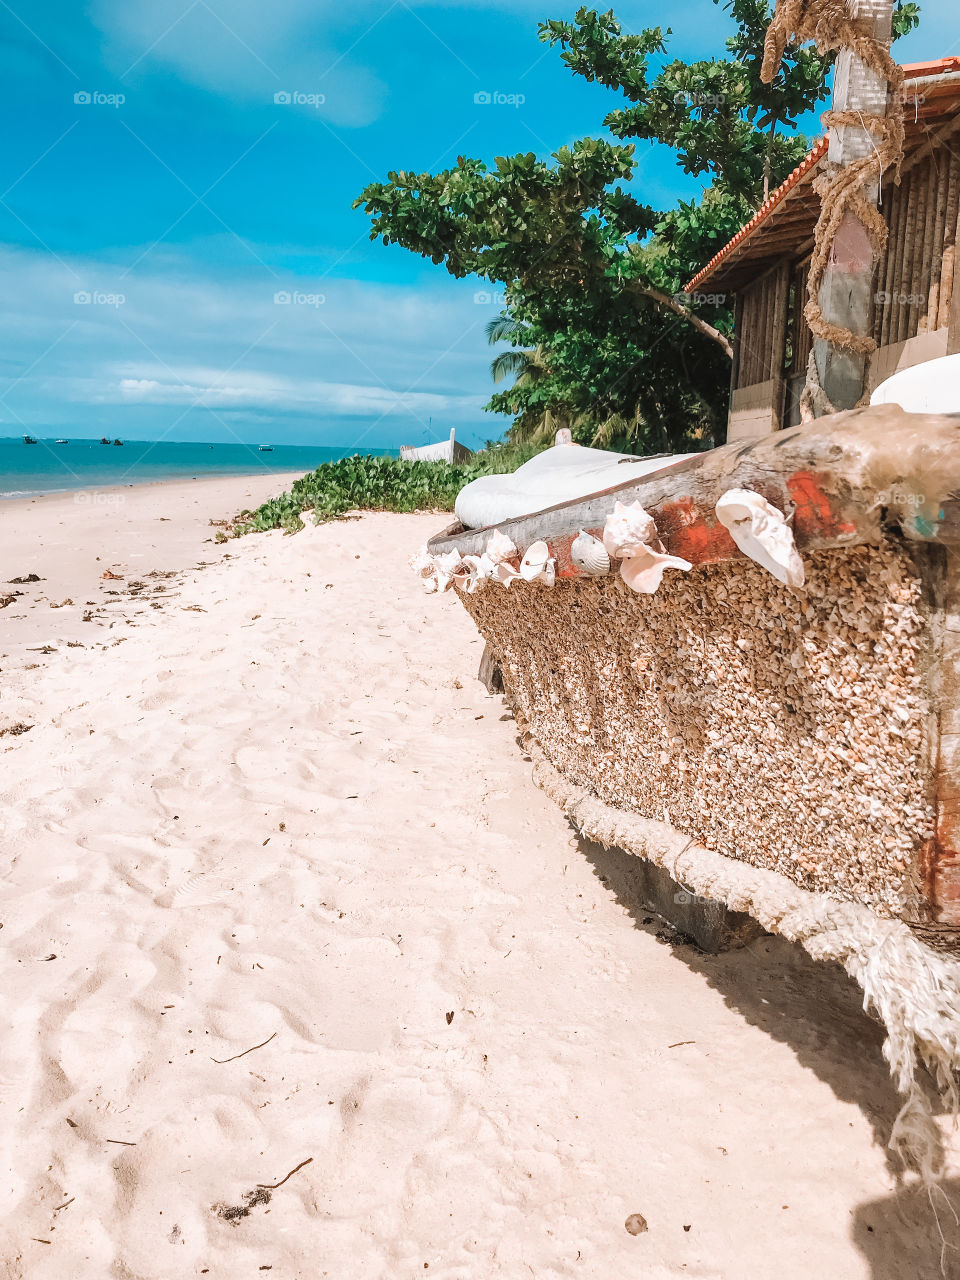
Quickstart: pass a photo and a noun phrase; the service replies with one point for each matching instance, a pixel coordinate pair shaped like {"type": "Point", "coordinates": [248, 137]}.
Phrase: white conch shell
{"type": "Point", "coordinates": [538, 563]}
{"type": "Point", "coordinates": [444, 567]}
{"type": "Point", "coordinates": [505, 573]}
{"type": "Point", "coordinates": [421, 562]}
{"type": "Point", "coordinates": [563, 436]}
{"type": "Point", "coordinates": [589, 554]}
{"type": "Point", "coordinates": [630, 534]}
{"type": "Point", "coordinates": [627, 529]}
{"type": "Point", "coordinates": [761, 532]}
{"type": "Point", "coordinates": [500, 548]}
{"type": "Point", "coordinates": [472, 573]}
{"type": "Point", "coordinates": [643, 570]}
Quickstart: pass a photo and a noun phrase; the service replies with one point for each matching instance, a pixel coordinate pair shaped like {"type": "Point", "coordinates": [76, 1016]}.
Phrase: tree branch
{"type": "Point", "coordinates": [666, 301]}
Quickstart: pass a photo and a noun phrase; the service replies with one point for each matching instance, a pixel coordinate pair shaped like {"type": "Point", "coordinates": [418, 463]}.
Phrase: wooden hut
{"type": "Point", "coordinates": [916, 311]}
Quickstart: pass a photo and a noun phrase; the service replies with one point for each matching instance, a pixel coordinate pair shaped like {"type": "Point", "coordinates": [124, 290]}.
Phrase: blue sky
{"type": "Point", "coordinates": [173, 170]}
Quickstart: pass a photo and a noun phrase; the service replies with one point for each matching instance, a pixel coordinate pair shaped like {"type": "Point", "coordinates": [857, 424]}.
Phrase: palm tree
{"type": "Point", "coordinates": [526, 364]}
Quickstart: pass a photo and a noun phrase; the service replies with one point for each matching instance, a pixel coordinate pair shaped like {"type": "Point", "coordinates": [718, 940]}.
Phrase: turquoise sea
{"type": "Point", "coordinates": [47, 467]}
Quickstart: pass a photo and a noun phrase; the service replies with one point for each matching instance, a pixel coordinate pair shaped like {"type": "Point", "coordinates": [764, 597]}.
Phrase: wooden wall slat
{"type": "Point", "coordinates": [940, 164]}
{"type": "Point", "coordinates": [892, 212]}
{"type": "Point", "coordinates": [911, 277]}
{"type": "Point", "coordinates": [804, 337]}
{"type": "Point", "coordinates": [948, 267]}
{"type": "Point", "coordinates": [922, 289]}
{"type": "Point", "coordinates": [897, 323]}
{"type": "Point", "coordinates": [774, 347]}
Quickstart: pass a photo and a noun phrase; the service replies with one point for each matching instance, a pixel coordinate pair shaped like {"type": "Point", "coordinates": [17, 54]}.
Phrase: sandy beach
{"type": "Point", "coordinates": [279, 897]}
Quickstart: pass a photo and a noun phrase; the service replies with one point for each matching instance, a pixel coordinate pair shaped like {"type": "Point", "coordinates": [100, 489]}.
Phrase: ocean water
{"type": "Point", "coordinates": [46, 467]}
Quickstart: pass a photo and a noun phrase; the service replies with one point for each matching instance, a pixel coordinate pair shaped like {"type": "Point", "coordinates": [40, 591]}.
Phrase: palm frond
{"type": "Point", "coordinates": [504, 328]}
{"type": "Point", "coordinates": [509, 363]}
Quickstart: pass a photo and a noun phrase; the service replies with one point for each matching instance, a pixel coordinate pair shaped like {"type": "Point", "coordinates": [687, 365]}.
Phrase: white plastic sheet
{"type": "Point", "coordinates": [561, 474]}
{"type": "Point", "coordinates": [931, 387]}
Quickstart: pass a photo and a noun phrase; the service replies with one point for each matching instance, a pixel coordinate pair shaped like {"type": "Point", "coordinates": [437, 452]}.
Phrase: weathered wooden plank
{"type": "Point", "coordinates": [953, 321]}
{"type": "Point", "coordinates": [881, 328]}
{"type": "Point", "coordinates": [935, 260]}
{"type": "Point", "coordinates": [918, 286]}
{"type": "Point", "coordinates": [641, 886]}
{"type": "Point", "coordinates": [897, 323]}
{"type": "Point", "coordinates": [737, 336]}
{"type": "Point", "coordinates": [912, 250]}
{"type": "Point", "coordinates": [948, 266]}
{"type": "Point", "coordinates": [490, 675]}
{"type": "Point", "coordinates": [778, 345]}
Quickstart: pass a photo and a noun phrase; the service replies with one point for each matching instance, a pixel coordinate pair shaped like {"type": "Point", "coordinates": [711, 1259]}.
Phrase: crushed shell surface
{"type": "Point", "coordinates": [781, 727]}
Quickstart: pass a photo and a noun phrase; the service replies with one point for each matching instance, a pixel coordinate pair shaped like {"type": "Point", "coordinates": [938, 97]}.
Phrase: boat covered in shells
{"type": "Point", "coordinates": [744, 667]}
{"type": "Point", "coordinates": [757, 648]}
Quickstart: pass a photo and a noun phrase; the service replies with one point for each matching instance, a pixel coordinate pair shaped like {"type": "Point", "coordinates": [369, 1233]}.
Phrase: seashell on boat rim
{"type": "Point", "coordinates": [627, 529]}
{"type": "Point", "coordinates": [537, 563]}
{"type": "Point", "coordinates": [643, 571]}
{"type": "Point", "coordinates": [444, 568]}
{"type": "Point", "coordinates": [761, 532]}
{"type": "Point", "coordinates": [421, 562]}
{"type": "Point", "coordinates": [500, 548]}
{"type": "Point", "coordinates": [589, 554]}
{"type": "Point", "coordinates": [472, 573]}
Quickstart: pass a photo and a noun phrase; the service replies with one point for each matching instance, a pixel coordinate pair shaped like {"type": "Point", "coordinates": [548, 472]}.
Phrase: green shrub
{"type": "Point", "coordinates": [363, 482]}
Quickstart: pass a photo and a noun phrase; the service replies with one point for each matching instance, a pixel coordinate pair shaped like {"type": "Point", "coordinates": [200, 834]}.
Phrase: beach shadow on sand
{"type": "Point", "coordinates": [901, 1236]}
{"type": "Point", "coordinates": [817, 1010]}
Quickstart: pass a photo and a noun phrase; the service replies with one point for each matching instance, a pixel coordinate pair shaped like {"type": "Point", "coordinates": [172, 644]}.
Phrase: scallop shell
{"type": "Point", "coordinates": [643, 571]}
{"type": "Point", "coordinates": [761, 532]}
{"type": "Point", "coordinates": [589, 554]}
{"type": "Point", "coordinates": [537, 563]}
{"type": "Point", "coordinates": [629, 528]}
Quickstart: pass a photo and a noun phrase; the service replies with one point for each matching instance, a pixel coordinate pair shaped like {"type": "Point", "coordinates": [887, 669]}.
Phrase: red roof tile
{"type": "Point", "coordinates": [912, 71]}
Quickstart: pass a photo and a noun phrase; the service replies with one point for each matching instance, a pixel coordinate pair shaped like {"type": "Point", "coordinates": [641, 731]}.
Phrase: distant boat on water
{"type": "Point", "coordinates": [29, 440]}
{"type": "Point", "coordinates": [265, 448]}
{"type": "Point", "coordinates": [442, 451]}
{"type": "Point", "coordinates": [118, 442]}
{"type": "Point", "coordinates": [104, 440]}
{"type": "Point", "coordinates": [61, 442]}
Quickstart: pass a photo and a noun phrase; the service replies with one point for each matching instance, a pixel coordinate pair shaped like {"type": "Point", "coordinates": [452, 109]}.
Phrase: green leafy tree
{"type": "Point", "coordinates": [592, 272]}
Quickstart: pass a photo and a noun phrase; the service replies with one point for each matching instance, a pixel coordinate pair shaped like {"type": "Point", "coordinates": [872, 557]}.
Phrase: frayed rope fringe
{"type": "Point", "coordinates": [913, 990]}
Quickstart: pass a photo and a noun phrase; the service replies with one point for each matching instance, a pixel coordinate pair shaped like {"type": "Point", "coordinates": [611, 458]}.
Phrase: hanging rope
{"type": "Point", "coordinates": [842, 188]}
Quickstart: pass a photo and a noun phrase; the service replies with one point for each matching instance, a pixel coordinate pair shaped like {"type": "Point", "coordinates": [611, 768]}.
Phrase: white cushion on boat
{"type": "Point", "coordinates": [563, 473]}
{"type": "Point", "coordinates": [931, 387]}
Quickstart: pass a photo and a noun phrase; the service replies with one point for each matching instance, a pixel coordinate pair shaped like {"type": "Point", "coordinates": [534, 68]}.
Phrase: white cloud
{"type": "Point", "coordinates": [263, 390]}
{"type": "Point", "coordinates": [81, 342]}
{"type": "Point", "coordinates": [243, 48]}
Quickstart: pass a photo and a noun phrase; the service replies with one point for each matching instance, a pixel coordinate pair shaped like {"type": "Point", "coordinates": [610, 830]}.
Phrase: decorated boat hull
{"type": "Point", "coordinates": [773, 676]}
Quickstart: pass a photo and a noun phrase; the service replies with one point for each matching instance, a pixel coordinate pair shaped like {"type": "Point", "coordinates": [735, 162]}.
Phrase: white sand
{"type": "Point", "coordinates": [283, 808]}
